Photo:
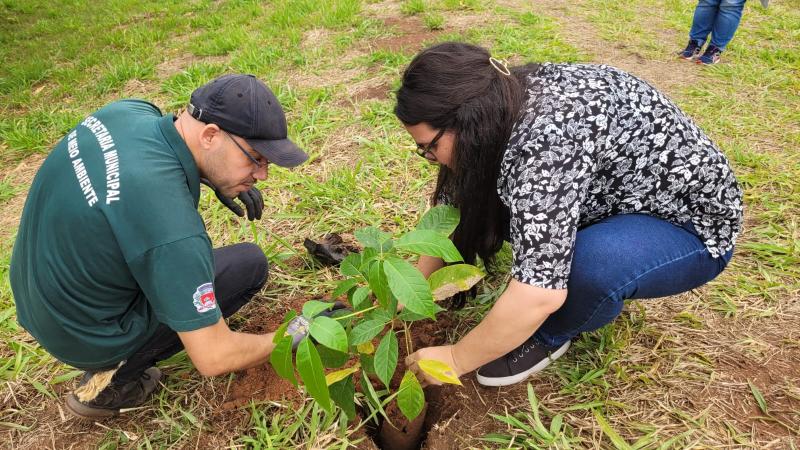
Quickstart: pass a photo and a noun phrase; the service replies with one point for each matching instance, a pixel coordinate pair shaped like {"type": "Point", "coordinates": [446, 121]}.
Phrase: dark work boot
{"type": "Point", "coordinates": [114, 397]}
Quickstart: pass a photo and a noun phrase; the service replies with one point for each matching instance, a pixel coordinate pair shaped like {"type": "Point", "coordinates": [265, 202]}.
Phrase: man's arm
{"type": "Point", "coordinates": [216, 350]}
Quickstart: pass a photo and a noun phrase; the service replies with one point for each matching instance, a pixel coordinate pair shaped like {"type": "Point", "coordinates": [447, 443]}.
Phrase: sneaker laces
{"type": "Point", "coordinates": [692, 47]}
{"type": "Point", "coordinates": [524, 348]}
{"type": "Point", "coordinates": [712, 50]}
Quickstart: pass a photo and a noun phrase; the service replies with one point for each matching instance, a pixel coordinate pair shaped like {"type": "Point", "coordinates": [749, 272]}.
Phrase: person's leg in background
{"type": "Point", "coordinates": [702, 24]}
{"type": "Point", "coordinates": [241, 271]}
{"type": "Point", "coordinates": [651, 258]}
{"type": "Point", "coordinates": [725, 24]}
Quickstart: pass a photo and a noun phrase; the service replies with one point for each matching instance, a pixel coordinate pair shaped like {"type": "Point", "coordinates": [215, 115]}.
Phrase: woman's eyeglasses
{"type": "Point", "coordinates": [426, 151]}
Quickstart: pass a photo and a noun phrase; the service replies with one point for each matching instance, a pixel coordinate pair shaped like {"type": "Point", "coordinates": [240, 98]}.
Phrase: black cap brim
{"type": "Point", "coordinates": [282, 152]}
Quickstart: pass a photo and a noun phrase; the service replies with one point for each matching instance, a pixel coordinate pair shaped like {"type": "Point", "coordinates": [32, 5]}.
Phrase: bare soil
{"type": "Point", "coordinates": [20, 176]}
{"type": "Point", "coordinates": [411, 35]}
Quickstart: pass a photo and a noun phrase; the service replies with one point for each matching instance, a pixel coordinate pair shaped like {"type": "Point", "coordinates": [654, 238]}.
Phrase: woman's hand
{"type": "Point", "coordinates": [443, 353]}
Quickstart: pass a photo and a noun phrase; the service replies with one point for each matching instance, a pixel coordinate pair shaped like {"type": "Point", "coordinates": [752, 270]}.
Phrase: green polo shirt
{"type": "Point", "coordinates": [110, 242]}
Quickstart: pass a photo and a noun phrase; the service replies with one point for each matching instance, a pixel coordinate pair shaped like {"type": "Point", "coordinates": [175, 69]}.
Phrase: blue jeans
{"type": "Point", "coordinates": [623, 257]}
{"type": "Point", "coordinates": [718, 17]}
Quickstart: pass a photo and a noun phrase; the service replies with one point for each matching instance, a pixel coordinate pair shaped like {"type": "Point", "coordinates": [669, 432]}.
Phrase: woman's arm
{"type": "Point", "coordinates": [516, 315]}
{"type": "Point", "coordinates": [429, 264]}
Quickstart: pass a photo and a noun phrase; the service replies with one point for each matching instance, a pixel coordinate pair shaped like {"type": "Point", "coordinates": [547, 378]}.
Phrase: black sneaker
{"type": "Point", "coordinates": [710, 56]}
{"type": "Point", "coordinates": [691, 51]}
{"type": "Point", "coordinates": [113, 398]}
{"type": "Point", "coordinates": [517, 365]}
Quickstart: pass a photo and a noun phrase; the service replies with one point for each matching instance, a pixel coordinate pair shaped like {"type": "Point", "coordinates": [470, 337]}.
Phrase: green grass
{"type": "Point", "coordinates": [616, 383]}
{"type": "Point", "coordinates": [413, 7]}
{"type": "Point", "coordinates": [434, 21]}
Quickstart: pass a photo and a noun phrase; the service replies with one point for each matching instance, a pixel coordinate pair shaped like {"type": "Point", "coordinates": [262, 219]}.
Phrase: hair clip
{"type": "Point", "coordinates": [500, 66]}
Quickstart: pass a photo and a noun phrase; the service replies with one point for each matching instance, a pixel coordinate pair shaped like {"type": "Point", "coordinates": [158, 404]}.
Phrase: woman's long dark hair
{"type": "Point", "coordinates": [453, 86]}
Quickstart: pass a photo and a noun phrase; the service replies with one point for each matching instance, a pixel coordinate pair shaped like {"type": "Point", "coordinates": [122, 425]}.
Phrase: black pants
{"type": "Point", "coordinates": [240, 271]}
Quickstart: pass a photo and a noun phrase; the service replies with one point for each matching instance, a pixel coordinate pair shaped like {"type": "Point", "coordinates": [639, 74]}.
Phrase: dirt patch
{"type": "Point", "coordinates": [20, 177]}
{"type": "Point", "coordinates": [776, 377]}
{"type": "Point", "coordinates": [178, 63]}
{"type": "Point", "coordinates": [147, 89]}
{"type": "Point", "coordinates": [262, 383]}
{"type": "Point", "coordinates": [411, 34]}
{"type": "Point", "coordinates": [666, 73]}
{"type": "Point", "coordinates": [370, 92]}
{"type": "Point", "coordinates": [315, 38]}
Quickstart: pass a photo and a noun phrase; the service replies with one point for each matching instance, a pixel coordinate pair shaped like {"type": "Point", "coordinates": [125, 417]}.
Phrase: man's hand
{"type": "Point", "coordinates": [252, 199]}
{"type": "Point", "coordinates": [443, 353]}
{"type": "Point", "coordinates": [298, 327]}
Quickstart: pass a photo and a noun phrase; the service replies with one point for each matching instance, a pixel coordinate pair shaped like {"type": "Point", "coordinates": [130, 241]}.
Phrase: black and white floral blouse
{"type": "Point", "coordinates": [594, 141]}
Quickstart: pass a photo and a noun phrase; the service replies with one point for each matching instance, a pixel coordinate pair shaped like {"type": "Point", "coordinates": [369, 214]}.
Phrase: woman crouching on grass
{"type": "Point", "coordinates": [605, 189]}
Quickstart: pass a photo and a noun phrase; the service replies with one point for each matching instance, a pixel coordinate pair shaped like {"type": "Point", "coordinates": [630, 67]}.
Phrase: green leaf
{"type": "Point", "coordinates": [281, 359]}
{"type": "Point", "coordinates": [66, 377]}
{"type": "Point", "coordinates": [409, 316]}
{"type": "Point", "coordinates": [339, 375]}
{"type": "Point", "coordinates": [281, 331]}
{"type": "Point", "coordinates": [370, 394]}
{"type": "Point", "coordinates": [386, 357]}
{"type": "Point", "coordinates": [450, 280]}
{"type": "Point", "coordinates": [372, 237]}
{"type": "Point", "coordinates": [368, 256]}
{"type": "Point", "coordinates": [360, 298]}
{"type": "Point", "coordinates": [350, 264]}
{"type": "Point", "coordinates": [379, 284]}
{"type": "Point", "coordinates": [442, 219]}
{"type": "Point", "coordinates": [410, 398]}
{"type": "Point", "coordinates": [365, 331]}
{"type": "Point", "coordinates": [439, 370]}
{"type": "Point", "coordinates": [612, 434]}
{"type": "Point", "coordinates": [431, 243]}
{"type": "Point", "coordinates": [329, 333]}
{"type": "Point", "coordinates": [309, 366]}
{"type": "Point", "coordinates": [332, 359]}
{"type": "Point", "coordinates": [409, 286]}
{"type": "Point", "coordinates": [555, 425]}
{"type": "Point", "coordinates": [344, 287]}
{"type": "Point", "coordinates": [367, 363]}
{"type": "Point", "coordinates": [312, 308]}
{"type": "Point", "coordinates": [343, 394]}
{"type": "Point", "coordinates": [762, 403]}
{"type": "Point", "coordinates": [41, 388]}
{"type": "Point", "coordinates": [538, 426]}
{"type": "Point", "coordinates": [380, 314]}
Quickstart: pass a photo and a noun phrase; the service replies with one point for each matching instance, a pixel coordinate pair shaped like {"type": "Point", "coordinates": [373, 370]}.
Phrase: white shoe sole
{"type": "Point", "coordinates": [513, 379]}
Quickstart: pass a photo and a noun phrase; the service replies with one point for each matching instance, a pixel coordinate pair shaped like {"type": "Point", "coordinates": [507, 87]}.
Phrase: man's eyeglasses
{"type": "Point", "coordinates": [259, 164]}
{"type": "Point", "coordinates": [426, 151]}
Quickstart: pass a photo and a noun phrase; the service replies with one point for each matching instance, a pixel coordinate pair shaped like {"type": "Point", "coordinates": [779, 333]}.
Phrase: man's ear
{"type": "Point", "coordinates": [209, 134]}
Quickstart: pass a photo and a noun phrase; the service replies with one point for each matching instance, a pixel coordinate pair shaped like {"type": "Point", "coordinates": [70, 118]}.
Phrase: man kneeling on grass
{"type": "Point", "coordinates": [112, 268]}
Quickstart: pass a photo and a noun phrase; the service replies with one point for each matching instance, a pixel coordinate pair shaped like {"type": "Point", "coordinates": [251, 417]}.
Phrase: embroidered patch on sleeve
{"type": "Point", "coordinates": [204, 299]}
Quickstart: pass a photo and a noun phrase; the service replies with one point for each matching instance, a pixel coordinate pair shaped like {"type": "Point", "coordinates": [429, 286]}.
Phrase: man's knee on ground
{"type": "Point", "coordinates": [252, 257]}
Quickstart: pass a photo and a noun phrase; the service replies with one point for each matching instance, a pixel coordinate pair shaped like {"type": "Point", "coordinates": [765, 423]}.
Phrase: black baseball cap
{"type": "Point", "coordinates": [244, 106]}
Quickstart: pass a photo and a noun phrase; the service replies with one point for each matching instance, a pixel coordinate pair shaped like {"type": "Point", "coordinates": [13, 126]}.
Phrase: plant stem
{"type": "Point", "coordinates": [407, 335]}
{"type": "Point", "coordinates": [356, 313]}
